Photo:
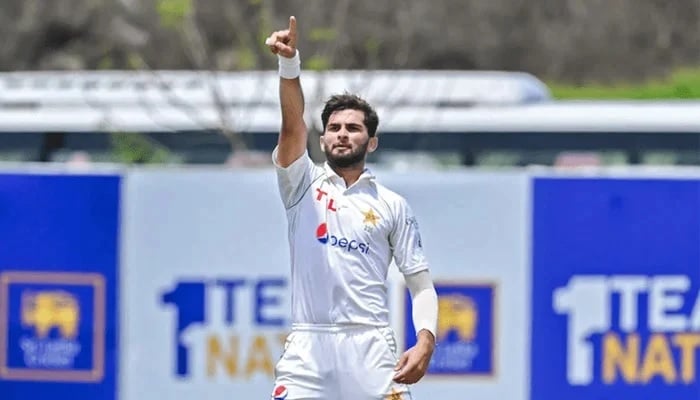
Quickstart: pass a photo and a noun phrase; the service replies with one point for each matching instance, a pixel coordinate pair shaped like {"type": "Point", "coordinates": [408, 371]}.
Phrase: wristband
{"type": "Point", "coordinates": [289, 68]}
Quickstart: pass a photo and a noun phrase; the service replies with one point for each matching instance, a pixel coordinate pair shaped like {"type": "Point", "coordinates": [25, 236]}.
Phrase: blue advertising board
{"type": "Point", "coordinates": [615, 289]}
{"type": "Point", "coordinates": [466, 329]}
{"type": "Point", "coordinates": [58, 286]}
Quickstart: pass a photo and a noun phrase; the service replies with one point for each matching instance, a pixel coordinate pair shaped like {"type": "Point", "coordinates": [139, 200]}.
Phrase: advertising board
{"type": "Point", "coordinates": [206, 282]}
{"type": "Point", "coordinates": [615, 301]}
{"type": "Point", "coordinates": [58, 286]}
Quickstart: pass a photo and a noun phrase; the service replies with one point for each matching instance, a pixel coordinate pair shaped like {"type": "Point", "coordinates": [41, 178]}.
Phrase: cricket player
{"type": "Point", "coordinates": [344, 229]}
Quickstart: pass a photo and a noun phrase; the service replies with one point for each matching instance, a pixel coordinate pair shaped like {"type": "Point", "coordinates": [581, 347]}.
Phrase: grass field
{"type": "Point", "coordinates": [682, 84]}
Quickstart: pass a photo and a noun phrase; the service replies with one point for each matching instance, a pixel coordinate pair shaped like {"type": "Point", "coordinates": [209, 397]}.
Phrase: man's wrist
{"type": "Point", "coordinates": [426, 337]}
{"type": "Point", "coordinates": [289, 67]}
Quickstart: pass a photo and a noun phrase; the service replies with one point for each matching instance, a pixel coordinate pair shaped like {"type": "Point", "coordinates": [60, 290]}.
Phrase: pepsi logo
{"type": "Point", "coordinates": [279, 393]}
{"type": "Point", "coordinates": [323, 236]}
{"type": "Point", "coordinates": [322, 233]}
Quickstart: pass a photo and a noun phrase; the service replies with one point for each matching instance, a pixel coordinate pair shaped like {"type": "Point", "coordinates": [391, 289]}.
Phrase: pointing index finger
{"type": "Point", "coordinates": [292, 26]}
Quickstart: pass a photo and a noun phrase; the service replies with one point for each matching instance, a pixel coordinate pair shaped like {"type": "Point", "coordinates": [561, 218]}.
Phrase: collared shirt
{"type": "Point", "coordinates": [342, 243]}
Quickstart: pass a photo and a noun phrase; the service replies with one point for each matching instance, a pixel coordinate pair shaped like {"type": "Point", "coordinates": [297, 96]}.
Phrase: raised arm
{"type": "Point", "coordinates": [292, 139]}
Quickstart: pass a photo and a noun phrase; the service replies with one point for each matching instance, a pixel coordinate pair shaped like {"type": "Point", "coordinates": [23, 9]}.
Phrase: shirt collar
{"type": "Point", "coordinates": [366, 173]}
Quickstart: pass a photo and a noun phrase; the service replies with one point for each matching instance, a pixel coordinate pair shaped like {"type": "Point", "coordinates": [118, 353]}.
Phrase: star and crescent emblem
{"type": "Point", "coordinates": [370, 218]}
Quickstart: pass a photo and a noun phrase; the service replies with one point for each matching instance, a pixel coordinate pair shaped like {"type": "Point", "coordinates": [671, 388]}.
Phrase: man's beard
{"type": "Point", "coordinates": [349, 159]}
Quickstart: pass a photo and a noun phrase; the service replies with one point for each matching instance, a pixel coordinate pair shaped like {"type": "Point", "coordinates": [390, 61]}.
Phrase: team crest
{"type": "Point", "coordinates": [370, 217]}
{"type": "Point", "coordinates": [52, 326]}
{"type": "Point", "coordinates": [370, 220]}
{"type": "Point", "coordinates": [466, 327]}
{"type": "Point", "coordinates": [395, 395]}
{"type": "Point", "coordinates": [279, 393]}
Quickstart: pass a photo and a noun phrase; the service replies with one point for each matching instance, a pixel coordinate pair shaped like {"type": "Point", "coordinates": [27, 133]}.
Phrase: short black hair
{"type": "Point", "coordinates": [348, 101]}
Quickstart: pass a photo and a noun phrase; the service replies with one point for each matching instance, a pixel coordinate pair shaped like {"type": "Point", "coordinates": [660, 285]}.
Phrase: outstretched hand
{"type": "Point", "coordinates": [284, 42]}
{"type": "Point", "coordinates": [414, 362]}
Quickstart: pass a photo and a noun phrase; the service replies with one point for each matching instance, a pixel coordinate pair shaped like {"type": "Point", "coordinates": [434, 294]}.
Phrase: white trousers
{"type": "Point", "coordinates": [339, 363]}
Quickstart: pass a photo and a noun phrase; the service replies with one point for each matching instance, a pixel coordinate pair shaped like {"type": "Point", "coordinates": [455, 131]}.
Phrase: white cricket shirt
{"type": "Point", "coordinates": [342, 241]}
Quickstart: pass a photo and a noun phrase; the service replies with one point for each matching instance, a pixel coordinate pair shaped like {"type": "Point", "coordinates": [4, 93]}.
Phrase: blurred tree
{"type": "Point", "coordinates": [134, 148]}
{"type": "Point", "coordinates": [571, 41]}
{"type": "Point", "coordinates": [181, 17]}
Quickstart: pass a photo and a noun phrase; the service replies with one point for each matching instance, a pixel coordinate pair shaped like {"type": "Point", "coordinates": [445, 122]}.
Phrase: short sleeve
{"type": "Point", "coordinates": [405, 239]}
{"type": "Point", "coordinates": [294, 179]}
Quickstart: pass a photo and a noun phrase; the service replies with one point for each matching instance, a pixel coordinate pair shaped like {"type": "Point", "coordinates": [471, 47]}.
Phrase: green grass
{"type": "Point", "coordinates": [682, 84]}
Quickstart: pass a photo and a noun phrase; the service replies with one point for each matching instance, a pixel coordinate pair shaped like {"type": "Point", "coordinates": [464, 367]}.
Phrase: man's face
{"type": "Point", "coordinates": [346, 140]}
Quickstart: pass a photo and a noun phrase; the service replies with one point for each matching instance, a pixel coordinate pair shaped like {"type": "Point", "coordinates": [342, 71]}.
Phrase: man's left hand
{"type": "Point", "coordinates": [414, 362]}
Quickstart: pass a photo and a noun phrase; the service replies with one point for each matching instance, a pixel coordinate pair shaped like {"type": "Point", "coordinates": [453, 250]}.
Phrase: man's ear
{"type": "Point", "coordinates": [323, 146]}
{"type": "Point", "coordinates": [373, 144]}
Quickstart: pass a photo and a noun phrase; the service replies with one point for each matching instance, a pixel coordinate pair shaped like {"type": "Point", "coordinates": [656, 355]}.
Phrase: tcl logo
{"type": "Point", "coordinates": [320, 195]}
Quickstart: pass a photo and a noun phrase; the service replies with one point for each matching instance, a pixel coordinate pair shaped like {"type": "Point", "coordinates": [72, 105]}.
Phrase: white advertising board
{"type": "Point", "coordinates": [475, 232]}
{"type": "Point", "coordinates": [204, 283]}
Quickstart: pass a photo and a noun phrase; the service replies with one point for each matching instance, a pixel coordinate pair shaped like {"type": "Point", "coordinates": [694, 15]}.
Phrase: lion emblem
{"type": "Point", "coordinates": [457, 313]}
{"type": "Point", "coordinates": [46, 310]}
